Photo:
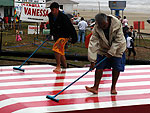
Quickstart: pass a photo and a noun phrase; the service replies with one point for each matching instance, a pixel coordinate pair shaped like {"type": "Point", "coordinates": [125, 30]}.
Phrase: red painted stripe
{"type": "Point", "coordinates": [47, 78]}
{"type": "Point", "coordinates": [15, 107]}
{"type": "Point", "coordinates": [42, 93]}
{"type": "Point", "coordinates": [74, 71]}
{"type": "Point", "coordinates": [12, 108]}
{"type": "Point", "coordinates": [125, 109]}
{"type": "Point", "coordinates": [39, 73]}
{"type": "Point", "coordinates": [42, 85]}
{"type": "Point", "coordinates": [3, 97]}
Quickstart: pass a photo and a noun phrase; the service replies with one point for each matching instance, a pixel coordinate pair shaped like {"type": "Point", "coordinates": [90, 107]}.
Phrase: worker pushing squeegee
{"type": "Point", "coordinates": [57, 100]}
{"type": "Point", "coordinates": [107, 41]}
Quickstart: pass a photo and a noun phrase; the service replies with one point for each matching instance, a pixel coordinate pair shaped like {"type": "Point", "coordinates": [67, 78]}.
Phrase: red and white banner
{"type": "Point", "coordinates": [34, 14]}
{"type": "Point", "coordinates": [33, 29]}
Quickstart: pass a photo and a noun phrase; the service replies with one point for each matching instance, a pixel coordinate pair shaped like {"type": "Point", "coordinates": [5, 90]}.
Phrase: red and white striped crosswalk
{"type": "Point", "coordinates": [25, 92]}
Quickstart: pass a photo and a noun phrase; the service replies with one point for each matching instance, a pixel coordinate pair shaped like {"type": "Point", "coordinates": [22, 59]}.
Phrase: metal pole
{"type": "Point", "coordinates": [14, 22]}
{"type": "Point", "coordinates": [37, 30]}
{"type": "Point", "coordinates": [99, 6]}
{"type": "Point", "coordinates": [139, 31]}
{"type": "Point", "coordinates": [1, 39]}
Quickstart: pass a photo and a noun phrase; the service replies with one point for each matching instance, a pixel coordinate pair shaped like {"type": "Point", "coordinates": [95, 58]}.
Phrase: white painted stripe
{"type": "Point", "coordinates": [66, 80]}
{"type": "Point", "coordinates": [46, 75]}
{"type": "Point", "coordinates": [36, 71]}
{"type": "Point", "coordinates": [135, 71]}
{"type": "Point", "coordinates": [27, 71]}
{"type": "Point", "coordinates": [44, 70]}
{"type": "Point", "coordinates": [136, 66]}
{"type": "Point", "coordinates": [10, 101]}
{"type": "Point", "coordinates": [73, 87]}
{"type": "Point", "coordinates": [24, 66]}
{"type": "Point", "coordinates": [68, 71]}
{"type": "Point", "coordinates": [73, 107]}
{"type": "Point", "coordinates": [40, 89]}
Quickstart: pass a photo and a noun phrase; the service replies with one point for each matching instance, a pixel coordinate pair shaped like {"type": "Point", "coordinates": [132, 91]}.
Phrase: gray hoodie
{"type": "Point", "coordinates": [115, 46]}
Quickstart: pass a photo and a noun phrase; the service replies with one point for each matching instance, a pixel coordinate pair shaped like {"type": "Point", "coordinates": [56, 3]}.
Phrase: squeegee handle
{"type": "Point", "coordinates": [32, 54]}
{"type": "Point", "coordinates": [80, 77]}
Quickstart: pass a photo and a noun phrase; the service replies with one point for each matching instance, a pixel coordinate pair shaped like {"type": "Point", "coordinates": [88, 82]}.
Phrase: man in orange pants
{"type": "Point", "coordinates": [62, 30]}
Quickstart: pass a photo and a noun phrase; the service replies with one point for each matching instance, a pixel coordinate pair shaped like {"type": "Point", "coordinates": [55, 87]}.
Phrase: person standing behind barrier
{"type": "Point", "coordinates": [130, 46]}
{"type": "Point", "coordinates": [12, 21]}
{"type": "Point", "coordinates": [124, 21]}
{"type": "Point", "coordinates": [62, 30]}
{"type": "Point", "coordinates": [9, 22]}
{"type": "Point", "coordinates": [1, 21]}
{"type": "Point", "coordinates": [107, 41]}
{"type": "Point", "coordinates": [6, 22]}
{"type": "Point", "coordinates": [125, 30]}
{"type": "Point", "coordinates": [125, 26]}
{"type": "Point", "coordinates": [132, 32]}
{"type": "Point", "coordinates": [82, 27]}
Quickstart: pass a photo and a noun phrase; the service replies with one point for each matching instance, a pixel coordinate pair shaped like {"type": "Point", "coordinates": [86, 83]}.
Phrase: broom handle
{"type": "Point", "coordinates": [32, 54]}
{"type": "Point", "coordinates": [80, 77]}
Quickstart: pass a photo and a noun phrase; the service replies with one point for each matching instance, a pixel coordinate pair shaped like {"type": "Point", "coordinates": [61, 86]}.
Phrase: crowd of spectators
{"type": "Point", "coordinates": [6, 22]}
{"type": "Point", "coordinates": [129, 34]}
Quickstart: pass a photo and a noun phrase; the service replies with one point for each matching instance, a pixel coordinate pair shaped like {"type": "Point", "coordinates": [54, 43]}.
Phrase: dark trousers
{"type": "Point", "coordinates": [131, 50]}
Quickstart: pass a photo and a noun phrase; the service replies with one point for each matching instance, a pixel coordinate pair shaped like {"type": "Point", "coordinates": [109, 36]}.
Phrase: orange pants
{"type": "Point", "coordinates": [59, 45]}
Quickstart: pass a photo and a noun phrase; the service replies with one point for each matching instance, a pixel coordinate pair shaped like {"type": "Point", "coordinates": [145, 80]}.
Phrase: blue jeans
{"type": "Point", "coordinates": [81, 33]}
